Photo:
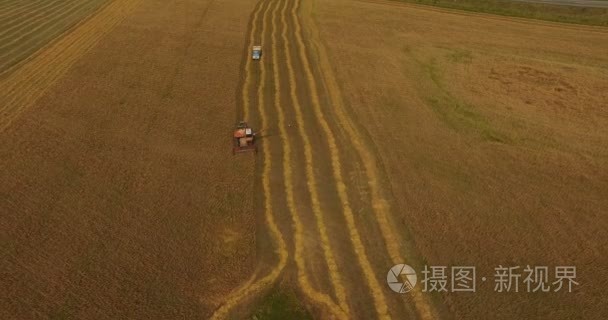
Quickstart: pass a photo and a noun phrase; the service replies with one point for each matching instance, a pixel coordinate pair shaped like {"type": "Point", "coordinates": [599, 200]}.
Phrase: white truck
{"type": "Point", "coordinates": [256, 53]}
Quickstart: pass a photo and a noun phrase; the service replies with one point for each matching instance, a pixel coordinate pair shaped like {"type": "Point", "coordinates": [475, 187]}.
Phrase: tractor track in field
{"type": "Point", "coordinates": [339, 260]}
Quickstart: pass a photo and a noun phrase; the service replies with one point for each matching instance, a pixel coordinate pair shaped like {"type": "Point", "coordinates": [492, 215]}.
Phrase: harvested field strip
{"type": "Point", "coordinates": [15, 39]}
{"type": "Point", "coordinates": [247, 83]}
{"type": "Point", "coordinates": [380, 205]}
{"type": "Point", "coordinates": [379, 300]}
{"type": "Point", "coordinates": [16, 42]}
{"type": "Point", "coordinates": [16, 7]}
{"type": "Point", "coordinates": [22, 88]}
{"type": "Point", "coordinates": [281, 248]}
{"type": "Point", "coordinates": [58, 51]}
{"type": "Point", "coordinates": [23, 39]}
{"type": "Point", "coordinates": [335, 279]}
{"type": "Point", "coordinates": [63, 52]}
{"type": "Point", "coordinates": [310, 177]}
{"type": "Point", "coordinates": [12, 22]}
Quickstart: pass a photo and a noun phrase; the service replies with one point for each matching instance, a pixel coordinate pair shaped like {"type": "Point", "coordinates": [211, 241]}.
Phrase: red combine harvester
{"type": "Point", "coordinates": [244, 139]}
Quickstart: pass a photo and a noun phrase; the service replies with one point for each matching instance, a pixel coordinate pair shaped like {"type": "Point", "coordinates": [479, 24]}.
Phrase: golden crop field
{"type": "Point", "coordinates": [493, 132]}
{"type": "Point", "coordinates": [120, 196]}
{"type": "Point", "coordinates": [388, 133]}
{"type": "Point", "coordinates": [28, 25]}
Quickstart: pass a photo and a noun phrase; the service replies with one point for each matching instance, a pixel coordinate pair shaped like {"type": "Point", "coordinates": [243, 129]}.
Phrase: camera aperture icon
{"type": "Point", "coordinates": [401, 278]}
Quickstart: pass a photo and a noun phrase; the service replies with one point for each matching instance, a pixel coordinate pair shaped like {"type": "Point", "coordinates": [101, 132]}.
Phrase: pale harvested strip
{"type": "Point", "coordinates": [13, 7]}
{"type": "Point", "coordinates": [14, 23]}
{"type": "Point", "coordinates": [340, 311]}
{"type": "Point", "coordinates": [334, 275]}
{"type": "Point", "coordinates": [10, 6]}
{"type": "Point", "coordinates": [17, 41]}
{"type": "Point", "coordinates": [18, 46]}
{"type": "Point", "coordinates": [362, 257]}
{"type": "Point", "coordinates": [380, 204]}
{"type": "Point", "coordinates": [21, 89]}
{"type": "Point", "coordinates": [247, 83]}
{"type": "Point", "coordinates": [67, 9]}
{"type": "Point", "coordinates": [40, 28]}
{"type": "Point", "coordinates": [281, 249]}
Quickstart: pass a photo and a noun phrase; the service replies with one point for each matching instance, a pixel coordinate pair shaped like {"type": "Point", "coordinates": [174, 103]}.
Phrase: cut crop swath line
{"type": "Point", "coordinates": [17, 8]}
{"type": "Point", "coordinates": [310, 176]}
{"type": "Point", "coordinates": [15, 5]}
{"type": "Point", "coordinates": [25, 20]}
{"type": "Point", "coordinates": [21, 89]}
{"type": "Point", "coordinates": [17, 43]}
{"type": "Point", "coordinates": [247, 82]}
{"type": "Point", "coordinates": [58, 57]}
{"type": "Point", "coordinates": [380, 205]}
{"type": "Point", "coordinates": [370, 276]}
{"type": "Point", "coordinates": [9, 23]}
{"type": "Point", "coordinates": [12, 23]}
{"type": "Point", "coordinates": [8, 6]}
{"type": "Point", "coordinates": [64, 11]}
{"type": "Point", "coordinates": [303, 280]}
{"type": "Point", "coordinates": [281, 248]}
{"type": "Point", "coordinates": [58, 54]}
{"type": "Point", "coordinates": [29, 55]}
{"type": "Point", "coordinates": [19, 46]}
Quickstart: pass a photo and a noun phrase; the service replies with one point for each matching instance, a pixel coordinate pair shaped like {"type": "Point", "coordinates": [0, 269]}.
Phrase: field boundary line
{"type": "Point", "coordinates": [370, 276]}
{"type": "Point", "coordinates": [335, 279]}
{"type": "Point", "coordinates": [25, 86]}
{"type": "Point", "coordinates": [380, 204]}
{"type": "Point", "coordinates": [234, 300]}
{"type": "Point", "coordinates": [490, 16]}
